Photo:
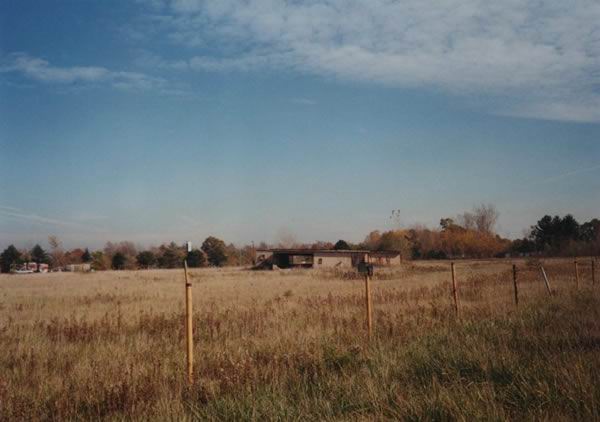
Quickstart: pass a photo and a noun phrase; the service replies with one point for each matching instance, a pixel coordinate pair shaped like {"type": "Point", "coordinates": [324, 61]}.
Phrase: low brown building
{"type": "Point", "coordinates": [323, 258]}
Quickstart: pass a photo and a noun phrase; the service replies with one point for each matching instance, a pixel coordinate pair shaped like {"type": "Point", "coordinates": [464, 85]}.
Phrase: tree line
{"type": "Point", "coordinates": [125, 255]}
{"type": "Point", "coordinates": [468, 235]}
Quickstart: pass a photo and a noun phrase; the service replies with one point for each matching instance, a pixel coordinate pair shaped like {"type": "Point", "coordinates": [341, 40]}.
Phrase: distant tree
{"type": "Point", "coordinates": [86, 257]}
{"type": "Point", "coordinates": [100, 261]}
{"type": "Point", "coordinates": [170, 256]}
{"type": "Point", "coordinates": [371, 240]}
{"type": "Point", "coordinates": [553, 234]}
{"type": "Point", "coordinates": [285, 238]}
{"type": "Point", "coordinates": [196, 259]}
{"type": "Point", "coordinates": [395, 240]}
{"type": "Point", "coordinates": [569, 227]}
{"type": "Point", "coordinates": [341, 245]}
{"type": "Point", "coordinates": [590, 231]}
{"type": "Point", "coordinates": [522, 246]}
{"type": "Point", "coordinates": [11, 256]}
{"type": "Point", "coordinates": [39, 255]}
{"type": "Point", "coordinates": [145, 259]}
{"type": "Point", "coordinates": [54, 242]}
{"type": "Point", "coordinates": [446, 223]}
{"type": "Point", "coordinates": [126, 248]}
{"type": "Point", "coordinates": [215, 250]}
{"type": "Point", "coordinates": [74, 256]}
{"type": "Point", "coordinates": [118, 261]}
{"type": "Point", "coordinates": [321, 244]}
{"type": "Point", "coordinates": [486, 217]}
{"type": "Point", "coordinates": [56, 251]}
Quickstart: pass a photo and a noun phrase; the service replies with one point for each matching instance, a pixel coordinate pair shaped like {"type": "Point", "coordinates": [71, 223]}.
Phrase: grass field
{"type": "Point", "coordinates": [291, 345]}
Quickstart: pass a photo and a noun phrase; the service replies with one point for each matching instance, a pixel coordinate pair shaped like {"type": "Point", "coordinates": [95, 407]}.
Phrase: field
{"type": "Point", "coordinates": [292, 345]}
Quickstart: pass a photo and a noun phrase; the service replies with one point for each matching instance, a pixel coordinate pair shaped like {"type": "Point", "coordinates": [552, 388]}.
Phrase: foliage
{"type": "Point", "coordinates": [118, 261]}
{"type": "Point", "coordinates": [215, 251]}
{"type": "Point", "coordinates": [395, 240]}
{"type": "Point", "coordinates": [196, 259]}
{"type": "Point", "coordinates": [56, 251]}
{"type": "Point", "coordinates": [171, 256]}
{"type": "Point", "coordinates": [74, 256]}
{"type": "Point", "coordinates": [39, 255]}
{"type": "Point", "coordinates": [100, 261]}
{"type": "Point", "coordinates": [482, 219]}
{"type": "Point", "coordinates": [145, 259]}
{"type": "Point", "coordinates": [565, 236]}
{"type": "Point", "coordinates": [86, 257]}
{"type": "Point", "coordinates": [341, 245]}
{"type": "Point", "coordinates": [126, 249]}
{"type": "Point", "coordinates": [11, 256]}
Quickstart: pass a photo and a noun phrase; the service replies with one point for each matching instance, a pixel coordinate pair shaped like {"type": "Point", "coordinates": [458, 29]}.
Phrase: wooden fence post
{"type": "Point", "coordinates": [454, 291]}
{"type": "Point", "coordinates": [545, 280]}
{"type": "Point", "coordinates": [515, 285]}
{"type": "Point", "coordinates": [368, 304]}
{"type": "Point", "coordinates": [189, 326]}
{"type": "Point", "coordinates": [576, 274]}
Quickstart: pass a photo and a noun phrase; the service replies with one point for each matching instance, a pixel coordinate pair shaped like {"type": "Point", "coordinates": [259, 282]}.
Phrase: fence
{"type": "Point", "coordinates": [368, 275]}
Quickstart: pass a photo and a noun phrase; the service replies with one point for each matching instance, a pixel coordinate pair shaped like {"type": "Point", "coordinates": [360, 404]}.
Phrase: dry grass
{"type": "Point", "coordinates": [291, 345]}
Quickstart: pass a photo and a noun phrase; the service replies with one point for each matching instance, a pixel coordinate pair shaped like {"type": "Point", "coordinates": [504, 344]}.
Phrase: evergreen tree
{"type": "Point", "coordinates": [145, 259]}
{"type": "Point", "coordinates": [39, 256]}
{"type": "Point", "coordinates": [196, 259]}
{"type": "Point", "coordinates": [87, 256]}
{"type": "Point", "coordinates": [11, 256]}
{"type": "Point", "coordinates": [341, 245]}
{"type": "Point", "coordinates": [118, 261]}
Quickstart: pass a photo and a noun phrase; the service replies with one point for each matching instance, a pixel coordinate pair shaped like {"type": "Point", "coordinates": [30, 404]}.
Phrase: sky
{"type": "Point", "coordinates": [160, 120]}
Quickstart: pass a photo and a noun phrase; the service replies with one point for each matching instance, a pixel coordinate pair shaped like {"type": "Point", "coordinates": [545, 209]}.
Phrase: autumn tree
{"type": "Point", "coordinates": [395, 240]}
{"type": "Point", "coordinates": [371, 241]}
{"type": "Point", "coordinates": [126, 248]}
{"type": "Point", "coordinates": [171, 256]}
{"type": "Point", "coordinates": [74, 256]}
{"type": "Point", "coordinates": [100, 261]}
{"type": "Point", "coordinates": [56, 251]}
{"type": "Point", "coordinates": [286, 239]}
{"type": "Point", "coordinates": [215, 250]}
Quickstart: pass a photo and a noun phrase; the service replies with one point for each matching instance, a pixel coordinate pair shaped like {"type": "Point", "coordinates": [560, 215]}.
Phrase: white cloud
{"type": "Point", "coordinates": [42, 71]}
{"type": "Point", "coordinates": [544, 57]}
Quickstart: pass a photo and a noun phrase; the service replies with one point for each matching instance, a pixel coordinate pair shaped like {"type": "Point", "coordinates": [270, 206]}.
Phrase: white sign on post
{"type": "Point", "coordinates": [189, 246]}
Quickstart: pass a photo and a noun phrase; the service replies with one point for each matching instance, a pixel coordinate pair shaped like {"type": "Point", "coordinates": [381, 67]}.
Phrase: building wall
{"type": "Point", "coordinates": [78, 267]}
{"type": "Point", "coordinates": [332, 261]}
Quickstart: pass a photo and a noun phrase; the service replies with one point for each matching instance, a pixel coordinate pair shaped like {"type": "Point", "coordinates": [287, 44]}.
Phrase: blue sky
{"type": "Point", "coordinates": [159, 120]}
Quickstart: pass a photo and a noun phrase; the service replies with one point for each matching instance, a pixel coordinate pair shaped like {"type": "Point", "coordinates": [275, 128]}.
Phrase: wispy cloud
{"type": "Point", "coordinates": [41, 70]}
{"type": "Point", "coordinates": [537, 59]}
{"type": "Point", "coordinates": [304, 101]}
{"type": "Point", "coordinates": [567, 174]}
{"type": "Point", "coordinates": [33, 218]}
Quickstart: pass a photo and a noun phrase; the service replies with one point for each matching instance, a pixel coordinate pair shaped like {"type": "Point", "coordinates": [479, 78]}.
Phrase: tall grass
{"type": "Point", "coordinates": [292, 345]}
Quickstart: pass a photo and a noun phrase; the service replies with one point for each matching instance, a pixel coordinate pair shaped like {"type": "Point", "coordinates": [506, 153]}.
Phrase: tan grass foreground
{"type": "Point", "coordinates": [292, 345]}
